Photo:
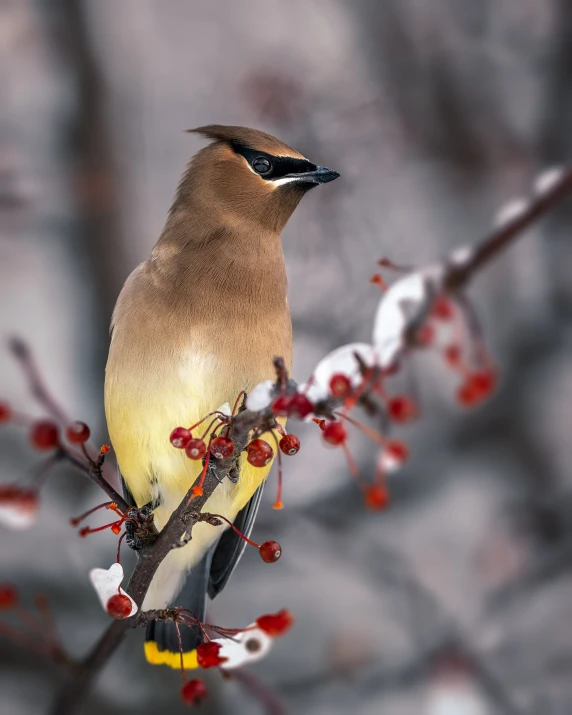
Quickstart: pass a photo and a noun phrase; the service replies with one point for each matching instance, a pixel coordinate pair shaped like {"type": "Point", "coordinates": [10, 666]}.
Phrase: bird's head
{"type": "Point", "coordinates": [249, 176]}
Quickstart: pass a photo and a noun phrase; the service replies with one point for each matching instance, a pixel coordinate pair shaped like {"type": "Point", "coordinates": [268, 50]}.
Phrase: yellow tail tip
{"type": "Point", "coordinates": [169, 658]}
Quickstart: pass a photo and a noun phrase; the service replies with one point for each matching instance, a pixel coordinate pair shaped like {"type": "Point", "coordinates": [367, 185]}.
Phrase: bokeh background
{"type": "Point", "coordinates": [458, 600]}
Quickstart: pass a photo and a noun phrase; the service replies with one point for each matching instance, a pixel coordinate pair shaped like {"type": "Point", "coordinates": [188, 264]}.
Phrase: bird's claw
{"type": "Point", "coordinates": [140, 530]}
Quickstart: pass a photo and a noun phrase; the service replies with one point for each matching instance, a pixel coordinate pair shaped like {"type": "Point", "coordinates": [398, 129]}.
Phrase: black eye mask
{"type": "Point", "coordinates": [280, 166]}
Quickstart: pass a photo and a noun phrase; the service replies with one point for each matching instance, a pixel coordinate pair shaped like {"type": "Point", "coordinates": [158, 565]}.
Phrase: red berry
{"type": "Point", "coordinates": [289, 444]}
{"type": "Point", "coordinates": [377, 279]}
{"type": "Point", "coordinates": [276, 624]}
{"type": "Point", "coordinates": [20, 506]}
{"type": "Point", "coordinates": [452, 355]}
{"type": "Point", "coordinates": [259, 453]}
{"type": "Point", "coordinates": [13, 494]}
{"type": "Point", "coordinates": [270, 551]}
{"type": "Point", "coordinates": [195, 448]}
{"type": "Point", "coordinates": [208, 655]}
{"type": "Point", "coordinates": [77, 433]}
{"type": "Point", "coordinates": [402, 409]}
{"type": "Point", "coordinates": [8, 597]}
{"type": "Point", "coordinates": [377, 497]}
{"type": "Point", "coordinates": [281, 406]}
{"type": "Point", "coordinates": [300, 406]}
{"type": "Point", "coordinates": [476, 387]}
{"type": "Point", "coordinates": [194, 692]}
{"type": "Point", "coordinates": [44, 435]}
{"type": "Point", "coordinates": [340, 385]}
{"type": "Point", "coordinates": [443, 309]}
{"type": "Point", "coordinates": [222, 447]}
{"type": "Point", "coordinates": [484, 381]}
{"type": "Point", "coordinates": [467, 396]}
{"type": "Point", "coordinates": [335, 433]}
{"type": "Point", "coordinates": [180, 437]}
{"type": "Point", "coordinates": [5, 412]}
{"type": "Point", "coordinates": [397, 450]}
{"type": "Point", "coordinates": [426, 335]}
{"type": "Point", "coordinates": [119, 606]}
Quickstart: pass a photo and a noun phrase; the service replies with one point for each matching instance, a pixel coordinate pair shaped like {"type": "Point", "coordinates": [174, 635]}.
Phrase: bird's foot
{"type": "Point", "coordinates": [232, 474]}
{"type": "Point", "coordinates": [140, 529]}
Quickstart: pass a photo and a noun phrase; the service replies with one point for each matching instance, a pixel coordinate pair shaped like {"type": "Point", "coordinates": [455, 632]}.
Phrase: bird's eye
{"type": "Point", "coordinates": [261, 165]}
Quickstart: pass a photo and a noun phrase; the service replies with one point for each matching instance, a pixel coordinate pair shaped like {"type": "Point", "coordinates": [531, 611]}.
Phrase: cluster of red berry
{"type": "Point", "coordinates": [477, 384]}
{"type": "Point", "coordinates": [258, 452]}
{"type": "Point", "coordinates": [19, 504]}
{"type": "Point", "coordinates": [210, 653]}
{"type": "Point", "coordinates": [45, 434]}
{"type": "Point", "coordinates": [34, 627]}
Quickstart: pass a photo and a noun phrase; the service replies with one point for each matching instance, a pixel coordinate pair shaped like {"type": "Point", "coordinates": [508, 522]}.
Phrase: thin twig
{"type": "Point", "coordinates": [27, 362]}
{"type": "Point", "coordinates": [95, 473]}
{"type": "Point", "coordinates": [272, 703]}
{"type": "Point", "coordinates": [459, 274]}
{"type": "Point", "coordinates": [21, 351]}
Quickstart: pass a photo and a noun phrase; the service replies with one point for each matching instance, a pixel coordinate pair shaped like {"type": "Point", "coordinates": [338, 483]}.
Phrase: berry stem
{"type": "Point", "coordinates": [278, 503]}
{"type": "Point", "coordinates": [77, 519]}
{"type": "Point", "coordinates": [241, 396]}
{"type": "Point", "coordinates": [28, 620]}
{"type": "Point", "coordinates": [86, 454]}
{"type": "Point", "coordinates": [123, 535]}
{"type": "Point", "coordinates": [87, 530]}
{"type": "Point", "coordinates": [42, 470]}
{"type": "Point", "coordinates": [368, 431]}
{"type": "Point", "coordinates": [219, 415]}
{"type": "Point", "coordinates": [208, 429]}
{"type": "Point", "coordinates": [369, 381]}
{"type": "Point", "coordinates": [351, 463]}
{"type": "Point", "coordinates": [232, 526]}
{"type": "Point", "coordinates": [183, 674]}
{"type": "Point", "coordinates": [198, 490]}
{"type": "Point", "coordinates": [49, 622]}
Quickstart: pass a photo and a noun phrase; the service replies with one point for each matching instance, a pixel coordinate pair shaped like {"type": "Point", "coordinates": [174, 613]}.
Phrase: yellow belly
{"type": "Point", "coordinates": [141, 413]}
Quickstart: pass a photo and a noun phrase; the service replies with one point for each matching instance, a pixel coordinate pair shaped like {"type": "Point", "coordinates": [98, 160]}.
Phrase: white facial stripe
{"type": "Point", "coordinates": [285, 180]}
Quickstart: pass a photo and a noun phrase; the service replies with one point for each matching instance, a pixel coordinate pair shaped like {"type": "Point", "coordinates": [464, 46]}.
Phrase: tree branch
{"type": "Point", "coordinates": [29, 366]}
{"type": "Point", "coordinates": [179, 526]}
{"type": "Point", "coordinates": [460, 273]}
{"type": "Point", "coordinates": [21, 351]}
{"type": "Point", "coordinates": [95, 473]}
{"type": "Point", "coordinates": [456, 274]}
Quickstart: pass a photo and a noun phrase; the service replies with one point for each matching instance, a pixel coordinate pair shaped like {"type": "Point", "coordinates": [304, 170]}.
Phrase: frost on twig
{"type": "Point", "coordinates": [114, 600]}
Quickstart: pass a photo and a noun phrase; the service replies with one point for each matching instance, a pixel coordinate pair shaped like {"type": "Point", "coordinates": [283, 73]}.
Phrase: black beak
{"type": "Point", "coordinates": [320, 175]}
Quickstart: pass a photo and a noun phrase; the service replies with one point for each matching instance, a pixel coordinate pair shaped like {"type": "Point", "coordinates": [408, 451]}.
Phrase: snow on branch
{"type": "Point", "coordinates": [423, 309]}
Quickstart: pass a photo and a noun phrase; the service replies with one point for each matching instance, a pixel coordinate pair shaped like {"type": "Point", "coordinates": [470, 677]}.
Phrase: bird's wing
{"type": "Point", "coordinates": [127, 493]}
{"type": "Point", "coordinates": [231, 547]}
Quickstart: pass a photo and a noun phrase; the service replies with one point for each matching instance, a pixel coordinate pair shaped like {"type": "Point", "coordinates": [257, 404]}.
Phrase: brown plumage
{"type": "Point", "coordinates": [198, 322]}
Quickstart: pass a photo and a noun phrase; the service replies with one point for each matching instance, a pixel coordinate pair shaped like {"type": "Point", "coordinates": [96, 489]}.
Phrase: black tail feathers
{"type": "Point", "coordinates": [161, 641]}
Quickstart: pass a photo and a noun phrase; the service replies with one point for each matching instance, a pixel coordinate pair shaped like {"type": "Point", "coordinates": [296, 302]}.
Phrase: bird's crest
{"type": "Point", "coordinates": [248, 138]}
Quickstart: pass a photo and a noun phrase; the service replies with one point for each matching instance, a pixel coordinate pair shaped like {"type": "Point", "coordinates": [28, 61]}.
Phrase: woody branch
{"type": "Point", "coordinates": [454, 275]}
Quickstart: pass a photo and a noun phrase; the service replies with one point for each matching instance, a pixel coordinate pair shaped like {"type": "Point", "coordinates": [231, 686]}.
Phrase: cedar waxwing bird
{"type": "Point", "coordinates": [197, 323]}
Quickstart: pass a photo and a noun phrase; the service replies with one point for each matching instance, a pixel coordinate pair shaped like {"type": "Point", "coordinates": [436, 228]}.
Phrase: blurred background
{"type": "Point", "coordinates": [456, 601]}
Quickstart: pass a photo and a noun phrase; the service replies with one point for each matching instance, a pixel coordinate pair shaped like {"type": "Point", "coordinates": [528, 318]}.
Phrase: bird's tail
{"type": "Point", "coordinates": [162, 645]}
